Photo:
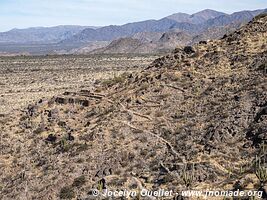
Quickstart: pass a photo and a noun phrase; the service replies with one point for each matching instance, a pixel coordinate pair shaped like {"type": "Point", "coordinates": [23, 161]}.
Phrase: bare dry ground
{"type": "Point", "coordinates": [25, 79]}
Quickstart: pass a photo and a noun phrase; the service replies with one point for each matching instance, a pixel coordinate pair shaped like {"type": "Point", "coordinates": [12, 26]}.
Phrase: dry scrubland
{"type": "Point", "coordinates": [193, 119]}
{"type": "Point", "coordinates": [28, 79]}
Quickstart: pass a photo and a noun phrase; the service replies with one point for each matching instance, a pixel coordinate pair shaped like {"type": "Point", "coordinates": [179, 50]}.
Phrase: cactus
{"type": "Point", "coordinates": [260, 171]}
{"type": "Point", "coordinates": [188, 177]}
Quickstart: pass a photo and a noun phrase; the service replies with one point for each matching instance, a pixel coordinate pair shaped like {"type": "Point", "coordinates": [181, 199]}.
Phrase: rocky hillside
{"type": "Point", "coordinates": [90, 47]}
{"type": "Point", "coordinates": [165, 43]}
{"type": "Point", "coordinates": [195, 118]}
{"type": "Point", "coordinates": [148, 36]}
{"type": "Point", "coordinates": [216, 32]}
{"type": "Point", "coordinates": [120, 46]}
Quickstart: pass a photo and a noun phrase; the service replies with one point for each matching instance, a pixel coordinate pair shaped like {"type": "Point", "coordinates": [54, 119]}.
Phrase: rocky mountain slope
{"type": "Point", "coordinates": [148, 36]}
{"type": "Point", "coordinates": [237, 17]}
{"type": "Point", "coordinates": [195, 118]}
{"type": "Point", "coordinates": [89, 47]}
{"type": "Point", "coordinates": [164, 44]}
{"type": "Point", "coordinates": [216, 32]}
{"type": "Point", "coordinates": [120, 46]}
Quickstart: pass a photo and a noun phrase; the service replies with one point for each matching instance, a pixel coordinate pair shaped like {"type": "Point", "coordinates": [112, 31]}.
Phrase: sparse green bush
{"type": "Point", "coordinates": [64, 145]}
{"type": "Point", "coordinates": [100, 186]}
{"type": "Point", "coordinates": [163, 96]}
{"type": "Point", "coordinates": [67, 193]}
{"type": "Point", "coordinates": [39, 130]}
{"type": "Point", "coordinates": [116, 79]}
{"type": "Point", "coordinates": [159, 113]}
{"type": "Point", "coordinates": [78, 182]}
{"type": "Point", "coordinates": [82, 147]}
{"type": "Point", "coordinates": [144, 86]}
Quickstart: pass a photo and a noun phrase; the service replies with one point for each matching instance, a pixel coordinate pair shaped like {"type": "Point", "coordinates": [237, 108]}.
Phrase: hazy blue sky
{"type": "Point", "coordinates": [29, 13]}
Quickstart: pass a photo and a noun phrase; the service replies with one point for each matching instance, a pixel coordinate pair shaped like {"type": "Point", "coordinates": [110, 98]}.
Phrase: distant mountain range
{"type": "Point", "coordinates": [40, 34]}
{"type": "Point", "coordinates": [179, 21]}
{"type": "Point", "coordinates": [138, 37]}
{"type": "Point", "coordinates": [197, 18]}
